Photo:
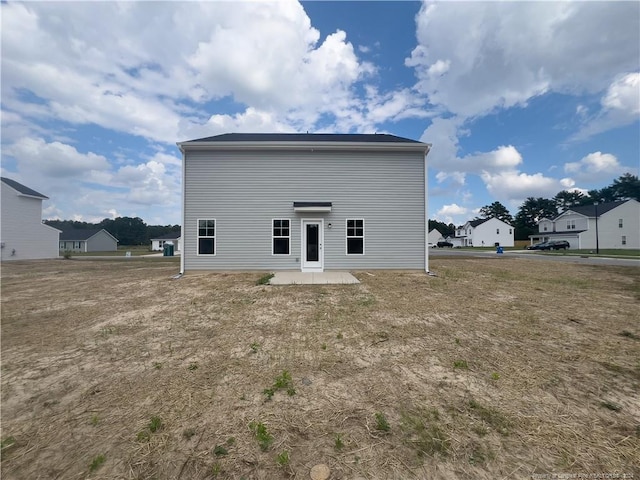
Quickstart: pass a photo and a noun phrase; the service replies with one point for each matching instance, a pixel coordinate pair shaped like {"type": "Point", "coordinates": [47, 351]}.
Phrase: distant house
{"type": "Point", "coordinates": [307, 202]}
{"type": "Point", "coordinates": [23, 235]}
{"type": "Point", "coordinates": [158, 243]}
{"type": "Point", "coordinates": [618, 226]}
{"type": "Point", "coordinates": [435, 236]}
{"type": "Point", "coordinates": [486, 232]}
{"type": "Point", "coordinates": [89, 240]}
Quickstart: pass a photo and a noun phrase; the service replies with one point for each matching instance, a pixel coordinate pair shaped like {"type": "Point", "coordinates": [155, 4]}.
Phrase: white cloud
{"type": "Point", "coordinates": [595, 167]}
{"type": "Point", "coordinates": [501, 54]}
{"type": "Point", "coordinates": [620, 106]}
{"type": "Point", "coordinates": [139, 70]}
{"type": "Point", "coordinates": [58, 160]}
{"type": "Point", "coordinates": [513, 186]}
{"type": "Point", "coordinates": [452, 209]}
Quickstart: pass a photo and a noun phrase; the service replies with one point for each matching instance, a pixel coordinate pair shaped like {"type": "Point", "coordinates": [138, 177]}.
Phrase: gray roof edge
{"type": "Point", "coordinates": [22, 189]}
{"type": "Point", "coordinates": [305, 137]}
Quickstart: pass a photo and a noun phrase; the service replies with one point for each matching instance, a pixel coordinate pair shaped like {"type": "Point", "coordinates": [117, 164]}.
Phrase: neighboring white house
{"type": "Point", "coordinates": [486, 232]}
{"type": "Point", "coordinates": [23, 235]}
{"type": "Point", "coordinates": [88, 240]}
{"type": "Point", "coordinates": [158, 243]}
{"type": "Point", "coordinates": [309, 202]}
{"type": "Point", "coordinates": [618, 225]}
{"type": "Point", "coordinates": [435, 236]}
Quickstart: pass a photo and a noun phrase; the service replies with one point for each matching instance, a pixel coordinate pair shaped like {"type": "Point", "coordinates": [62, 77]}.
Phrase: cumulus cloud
{"type": "Point", "coordinates": [620, 106]}
{"type": "Point", "coordinates": [55, 159]}
{"type": "Point", "coordinates": [594, 167]}
{"type": "Point", "coordinates": [475, 57]}
{"type": "Point", "coordinates": [513, 186]}
{"type": "Point", "coordinates": [143, 77]}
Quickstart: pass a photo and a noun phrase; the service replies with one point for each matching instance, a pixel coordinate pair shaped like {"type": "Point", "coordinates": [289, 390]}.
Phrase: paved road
{"type": "Point", "coordinates": [449, 252]}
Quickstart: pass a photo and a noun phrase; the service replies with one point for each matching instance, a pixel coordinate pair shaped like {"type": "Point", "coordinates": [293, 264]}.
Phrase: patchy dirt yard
{"type": "Point", "coordinates": [495, 368]}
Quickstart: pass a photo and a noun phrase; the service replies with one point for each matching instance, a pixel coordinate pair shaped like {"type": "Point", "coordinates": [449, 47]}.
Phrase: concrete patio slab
{"type": "Point", "coordinates": [312, 278]}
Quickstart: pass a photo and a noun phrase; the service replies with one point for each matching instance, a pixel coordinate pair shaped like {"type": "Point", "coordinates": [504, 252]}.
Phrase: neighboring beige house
{"type": "Point", "coordinates": [618, 225]}
{"type": "Point", "coordinates": [23, 235]}
{"type": "Point", "coordinates": [158, 243]}
{"type": "Point", "coordinates": [434, 237]}
{"type": "Point", "coordinates": [486, 232]}
{"type": "Point", "coordinates": [89, 240]}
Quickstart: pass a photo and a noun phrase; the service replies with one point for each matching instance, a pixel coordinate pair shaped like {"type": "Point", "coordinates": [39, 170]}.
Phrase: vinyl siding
{"type": "Point", "coordinates": [101, 242]}
{"type": "Point", "coordinates": [22, 233]}
{"type": "Point", "coordinates": [244, 191]}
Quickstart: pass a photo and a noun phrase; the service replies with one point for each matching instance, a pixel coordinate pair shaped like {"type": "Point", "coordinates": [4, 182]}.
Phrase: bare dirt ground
{"type": "Point", "coordinates": [496, 368]}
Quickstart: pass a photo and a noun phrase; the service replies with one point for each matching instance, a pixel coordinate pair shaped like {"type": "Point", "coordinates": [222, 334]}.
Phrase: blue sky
{"type": "Point", "coordinates": [518, 99]}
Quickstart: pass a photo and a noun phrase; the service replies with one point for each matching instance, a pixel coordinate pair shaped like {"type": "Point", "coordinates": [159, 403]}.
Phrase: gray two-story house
{"type": "Point", "coordinates": [309, 202]}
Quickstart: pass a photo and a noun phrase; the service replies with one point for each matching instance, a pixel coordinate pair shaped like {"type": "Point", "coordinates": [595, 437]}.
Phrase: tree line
{"type": "Point", "coordinates": [128, 231]}
{"type": "Point", "coordinates": [533, 209]}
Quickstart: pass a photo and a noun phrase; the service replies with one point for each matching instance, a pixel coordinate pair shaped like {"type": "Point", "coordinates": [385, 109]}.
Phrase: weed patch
{"type": "Point", "coordinates": [262, 435]}
{"type": "Point", "coordinates": [97, 462]}
{"type": "Point", "coordinates": [382, 424]}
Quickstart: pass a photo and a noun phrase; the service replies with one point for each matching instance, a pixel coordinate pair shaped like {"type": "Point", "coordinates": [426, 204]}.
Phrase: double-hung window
{"type": "Point", "coordinates": [281, 233]}
{"type": "Point", "coordinates": [620, 223]}
{"type": "Point", "coordinates": [355, 236]}
{"type": "Point", "coordinates": [207, 237]}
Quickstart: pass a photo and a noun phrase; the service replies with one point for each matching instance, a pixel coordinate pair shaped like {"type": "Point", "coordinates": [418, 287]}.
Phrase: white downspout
{"type": "Point", "coordinates": [426, 211]}
{"type": "Point", "coordinates": [182, 253]}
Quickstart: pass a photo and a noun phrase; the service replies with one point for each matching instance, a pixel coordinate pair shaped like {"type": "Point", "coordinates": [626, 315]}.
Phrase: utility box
{"type": "Point", "coordinates": [168, 250]}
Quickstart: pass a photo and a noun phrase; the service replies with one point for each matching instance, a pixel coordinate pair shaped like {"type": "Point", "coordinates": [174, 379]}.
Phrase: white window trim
{"type": "Point", "coordinates": [347, 237]}
{"type": "Point", "coordinates": [215, 238]}
{"type": "Point", "coordinates": [274, 237]}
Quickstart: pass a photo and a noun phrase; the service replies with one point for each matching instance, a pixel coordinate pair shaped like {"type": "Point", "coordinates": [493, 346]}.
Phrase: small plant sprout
{"type": "Point", "coordinates": [97, 462]}
{"type": "Point", "coordinates": [283, 459]}
{"type": "Point", "coordinates": [219, 451]}
{"type": "Point", "coordinates": [324, 346]}
{"type": "Point", "coordinates": [263, 437]}
{"type": "Point", "coordinates": [193, 366]}
{"type": "Point", "coordinates": [254, 347]}
{"type": "Point", "coordinates": [157, 365]}
{"type": "Point", "coordinates": [143, 436]}
{"type": "Point", "coordinates": [282, 382]}
{"type": "Point", "coordinates": [381, 422]}
{"type": "Point", "coordinates": [155, 424]}
{"type": "Point", "coordinates": [495, 376]}
{"type": "Point", "coordinates": [95, 420]}
{"type": "Point", "coordinates": [339, 336]}
{"type": "Point", "coordinates": [462, 364]}
{"type": "Point", "coordinates": [457, 341]}
{"type": "Point", "coordinates": [339, 444]}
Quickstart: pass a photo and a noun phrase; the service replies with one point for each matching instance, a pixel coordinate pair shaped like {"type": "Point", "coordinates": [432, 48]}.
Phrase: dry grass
{"type": "Point", "coordinates": [496, 368]}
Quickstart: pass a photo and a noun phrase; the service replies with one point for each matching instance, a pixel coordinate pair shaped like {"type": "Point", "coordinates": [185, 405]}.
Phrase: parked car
{"type": "Point", "coordinates": [557, 245]}
{"type": "Point", "coordinates": [445, 244]}
{"type": "Point", "coordinates": [550, 245]}
{"type": "Point", "coordinates": [538, 246]}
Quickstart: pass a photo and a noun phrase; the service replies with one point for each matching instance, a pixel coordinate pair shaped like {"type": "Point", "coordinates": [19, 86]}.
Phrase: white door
{"type": "Point", "coordinates": [312, 240]}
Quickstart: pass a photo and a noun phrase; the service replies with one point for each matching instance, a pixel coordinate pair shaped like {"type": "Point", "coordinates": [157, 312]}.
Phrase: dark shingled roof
{"type": "Point", "coordinates": [590, 210]}
{"type": "Point", "coordinates": [79, 233]}
{"type": "Point", "coordinates": [306, 137]}
{"type": "Point", "coordinates": [480, 221]}
{"type": "Point", "coordinates": [168, 236]}
{"type": "Point", "coordinates": [22, 189]}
